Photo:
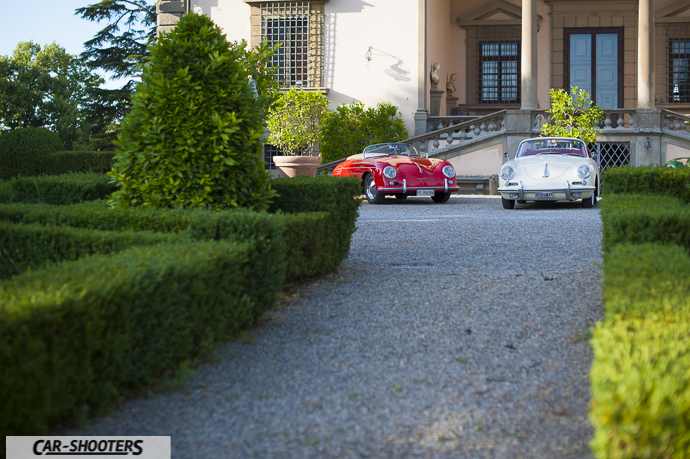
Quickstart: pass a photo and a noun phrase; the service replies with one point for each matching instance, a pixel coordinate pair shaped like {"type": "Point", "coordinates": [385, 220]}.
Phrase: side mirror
{"type": "Point", "coordinates": [506, 155]}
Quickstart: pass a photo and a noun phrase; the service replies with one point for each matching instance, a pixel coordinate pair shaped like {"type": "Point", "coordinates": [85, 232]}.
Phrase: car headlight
{"type": "Point", "coordinates": [389, 172]}
{"type": "Point", "coordinates": [584, 171]}
{"type": "Point", "coordinates": [448, 171]}
{"type": "Point", "coordinates": [507, 172]}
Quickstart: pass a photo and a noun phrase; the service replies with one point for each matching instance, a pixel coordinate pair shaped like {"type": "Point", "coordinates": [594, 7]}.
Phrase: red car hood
{"type": "Point", "coordinates": [403, 162]}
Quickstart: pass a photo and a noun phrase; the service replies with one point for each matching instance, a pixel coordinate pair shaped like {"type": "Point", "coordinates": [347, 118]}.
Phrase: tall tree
{"type": "Point", "coordinates": [46, 87]}
{"type": "Point", "coordinates": [119, 48]}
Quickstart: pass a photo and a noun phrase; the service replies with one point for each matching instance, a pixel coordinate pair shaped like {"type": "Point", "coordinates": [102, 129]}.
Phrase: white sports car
{"type": "Point", "coordinates": [550, 169]}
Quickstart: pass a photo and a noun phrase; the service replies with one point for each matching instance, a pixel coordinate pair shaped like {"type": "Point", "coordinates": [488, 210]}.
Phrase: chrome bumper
{"type": "Point", "coordinates": [566, 191]}
{"type": "Point", "coordinates": [404, 188]}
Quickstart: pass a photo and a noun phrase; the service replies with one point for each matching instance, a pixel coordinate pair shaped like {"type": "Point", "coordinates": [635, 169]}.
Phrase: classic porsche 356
{"type": "Point", "coordinates": [398, 169]}
{"type": "Point", "coordinates": [550, 169]}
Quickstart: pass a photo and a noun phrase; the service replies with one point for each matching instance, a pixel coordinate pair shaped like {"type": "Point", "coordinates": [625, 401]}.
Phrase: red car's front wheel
{"type": "Point", "coordinates": [373, 196]}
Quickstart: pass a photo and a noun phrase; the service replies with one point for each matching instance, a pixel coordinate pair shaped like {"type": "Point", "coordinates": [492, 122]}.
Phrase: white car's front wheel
{"type": "Point", "coordinates": [589, 202]}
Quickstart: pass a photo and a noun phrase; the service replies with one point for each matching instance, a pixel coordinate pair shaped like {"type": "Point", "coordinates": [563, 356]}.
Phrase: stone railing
{"type": "Point", "coordinates": [614, 121]}
{"type": "Point", "coordinates": [464, 131]}
{"type": "Point", "coordinates": [675, 122]}
{"type": "Point", "coordinates": [435, 123]}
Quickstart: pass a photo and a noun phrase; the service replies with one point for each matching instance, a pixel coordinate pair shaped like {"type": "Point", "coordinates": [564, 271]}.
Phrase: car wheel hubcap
{"type": "Point", "coordinates": [371, 190]}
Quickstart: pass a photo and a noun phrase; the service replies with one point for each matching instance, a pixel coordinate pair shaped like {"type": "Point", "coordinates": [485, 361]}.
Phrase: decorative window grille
{"type": "Point", "coordinates": [679, 70]}
{"type": "Point", "coordinates": [493, 65]}
{"type": "Point", "coordinates": [499, 70]}
{"type": "Point", "coordinates": [269, 152]}
{"type": "Point", "coordinates": [296, 27]}
{"type": "Point", "coordinates": [673, 63]}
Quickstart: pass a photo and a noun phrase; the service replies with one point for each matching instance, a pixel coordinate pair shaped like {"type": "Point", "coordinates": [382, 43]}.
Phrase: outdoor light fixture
{"type": "Point", "coordinates": [647, 144]}
{"type": "Point", "coordinates": [368, 54]}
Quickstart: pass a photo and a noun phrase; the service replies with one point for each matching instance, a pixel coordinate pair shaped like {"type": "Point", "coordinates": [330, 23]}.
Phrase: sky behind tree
{"type": "Point", "coordinates": [47, 21]}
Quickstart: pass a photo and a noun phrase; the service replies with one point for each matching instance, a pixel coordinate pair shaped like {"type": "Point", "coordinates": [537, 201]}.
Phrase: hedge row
{"type": "Point", "coordinates": [57, 189]}
{"type": "Point", "coordinates": [641, 370]}
{"type": "Point", "coordinates": [35, 246]}
{"type": "Point", "coordinates": [63, 162]}
{"type": "Point", "coordinates": [648, 180]}
{"type": "Point", "coordinates": [76, 336]}
{"type": "Point", "coordinates": [644, 218]}
{"type": "Point", "coordinates": [200, 275]}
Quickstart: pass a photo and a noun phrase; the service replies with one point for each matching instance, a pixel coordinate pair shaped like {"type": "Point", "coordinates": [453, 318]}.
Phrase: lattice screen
{"type": "Point", "coordinates": [611, 154]}
{"type": "Point", "coordinates": [269, 152]}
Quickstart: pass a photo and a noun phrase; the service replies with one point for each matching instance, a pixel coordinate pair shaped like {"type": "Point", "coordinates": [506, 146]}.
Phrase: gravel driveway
{"type": "Point", "coordinates": [452, 330]}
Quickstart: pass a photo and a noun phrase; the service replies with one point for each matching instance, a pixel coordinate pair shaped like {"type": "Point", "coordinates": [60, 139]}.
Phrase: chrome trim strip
{"type": "Point", "coordinates": [584, 188]}
{"type": "Point", "coordinates": [567, 190]}
{"type": "Point", "coordinates": [404, 185]}
{"type": "Point", "coordinates": [521, 194]}
{"type": "Point", "coordinates": [445, 183]}
{"type": "Point", "coordinates": [546, 172]}
{"type": "Point", "coordinates": [414, 188]}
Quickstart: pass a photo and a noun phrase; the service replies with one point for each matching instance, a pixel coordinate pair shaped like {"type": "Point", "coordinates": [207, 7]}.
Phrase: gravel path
{"type": "Point", "coordinates": [451, 331]}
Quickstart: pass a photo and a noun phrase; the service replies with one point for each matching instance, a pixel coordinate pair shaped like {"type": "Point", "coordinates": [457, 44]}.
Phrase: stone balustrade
{"type": "Point", "coordinates": [675, 122]}
{"type": "Point", "coordinates": [618, 120]}
{"type": "Point", "coordinates": [434, 123]}
{"type": "Point", "coordinates": [463, 131]}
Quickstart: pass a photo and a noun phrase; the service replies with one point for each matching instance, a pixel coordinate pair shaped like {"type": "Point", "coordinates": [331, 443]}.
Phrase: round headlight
{"type": "Point", "coordinates": [584, 171]}
{"type": "Point", "coordinates": [448, 171]}
{"type": "Point", "coordinates": [507, 172]}
{"type": "Point", "coordinates": [389, 172]}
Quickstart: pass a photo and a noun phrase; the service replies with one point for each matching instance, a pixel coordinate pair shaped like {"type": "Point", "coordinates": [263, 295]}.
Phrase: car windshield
{"type": "Point", "coordinates": [569, 147]}
{"type": "Point", "coordinates": [387, 149]}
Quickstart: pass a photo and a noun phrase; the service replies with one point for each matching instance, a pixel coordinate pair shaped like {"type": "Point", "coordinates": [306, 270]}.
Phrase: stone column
{"type": "Point", "coordinates": [645, 55]}
{"type": "Point", "coordinates": [420, 116]}
{"type": "Point", "coordinates": [169, 12]}
{"type": "Point", "coordinates": [528, 94]}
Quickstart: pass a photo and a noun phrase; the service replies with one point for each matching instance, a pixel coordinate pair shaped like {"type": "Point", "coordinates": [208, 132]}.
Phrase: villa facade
{"type": "Point", "coordinates": [471, 79]}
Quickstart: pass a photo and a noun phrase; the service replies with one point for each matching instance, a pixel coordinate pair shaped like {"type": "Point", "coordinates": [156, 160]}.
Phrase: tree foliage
{"type": "Point", "coordinates": [350, 128]}
{"type": "Point", "coordinates": [572, 116]}
{"type": "Point", "coordinates": [294, 121]}
{"type": "Point", "coordinates": [121, 48]}
{"type": "Point", "coordinates": [193, 136]}
{"type": "Point", "coordinates": [46, 87]}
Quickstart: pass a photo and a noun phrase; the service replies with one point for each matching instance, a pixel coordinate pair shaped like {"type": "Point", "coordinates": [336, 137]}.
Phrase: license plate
{"type": "Point", "coordinates": [543, 195]}
{"type": "Point", "coordinates": [425, 192]}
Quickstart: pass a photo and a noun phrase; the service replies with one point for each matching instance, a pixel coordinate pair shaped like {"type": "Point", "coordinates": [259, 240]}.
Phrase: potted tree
{"type": "Point", "coordinates": [294, 125]}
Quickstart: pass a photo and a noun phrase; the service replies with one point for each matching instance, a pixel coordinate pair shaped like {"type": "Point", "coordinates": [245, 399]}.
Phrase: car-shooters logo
{"type": "Point", "coordinates": [84, 447]}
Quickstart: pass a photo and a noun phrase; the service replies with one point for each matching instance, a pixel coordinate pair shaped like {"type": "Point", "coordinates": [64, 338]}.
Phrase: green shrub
{"type": "Point", "coordinates": [350, 128]}
{"type": "Point", "coordinates": [641, 388]}
{"type": "Point", "coordinates": [57, 189]}
{"type": "Point", "coordinates": [34, 246]}
{"type": "Point", "coordinates": [20, 150]}
{"type": "Point", "coordinates": [75, 337]}
{"type": "Point", "coordinates": [336, 195]}
{"type": "Point", "coordinates": [644, 218]}
{"type": "Point", "coordinates": [293, 121]}
{"type": "Point", "coordinates": [63, 162]}
{"type": "Point", "coordinates": [649, 180]}
{"type": "Point", "coordinates": [193, 135]}
{"type": "Point", "coordinates": [265, 230]}
{"type": "Point", "coordinates": [643, 279]}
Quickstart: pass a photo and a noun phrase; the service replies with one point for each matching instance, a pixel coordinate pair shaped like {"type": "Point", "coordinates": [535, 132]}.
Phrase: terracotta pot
{"type": "Point", "coordinates": [292, 166]}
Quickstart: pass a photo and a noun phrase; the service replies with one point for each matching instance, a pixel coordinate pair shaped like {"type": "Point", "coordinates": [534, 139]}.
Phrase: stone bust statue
{"type": "Point", "coordinates": [450, 86]}
{"type": "Point", "coordinates": [434, 75]}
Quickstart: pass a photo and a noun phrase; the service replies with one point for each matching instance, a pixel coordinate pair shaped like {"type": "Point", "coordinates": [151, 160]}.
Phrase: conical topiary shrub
{"type": "Point", "coordinates": [192, 138]}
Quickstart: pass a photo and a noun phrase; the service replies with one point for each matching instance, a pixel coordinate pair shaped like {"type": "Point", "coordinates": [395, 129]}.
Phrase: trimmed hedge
{"type": "Point", "coordinates": [63, 162]}
{"type": "Point", "coordinates": [75, 337]}
{"type": "Point", "coordinates": [336, 195]}
{"type": "Point", "coordinates": [34, 246]}
{"type": "Point", "coordinates": [57, 189]}
{"type": "Point", "coordinates": [644, 218]}
{"type": "Point", "coordinates": [648, 179]}
{"type": "Point", "coordinates": [20, 150]}
{"type": "Point", "coordinates": [641, 388]}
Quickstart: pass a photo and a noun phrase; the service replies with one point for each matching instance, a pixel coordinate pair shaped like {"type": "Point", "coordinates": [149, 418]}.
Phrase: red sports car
{"type": "Point", "coordinates": [399, 170]}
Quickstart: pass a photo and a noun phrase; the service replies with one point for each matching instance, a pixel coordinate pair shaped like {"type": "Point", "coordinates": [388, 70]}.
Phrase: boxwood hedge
{"type": "Point", "coordinates": [76, 336]}
{"type": "Point", "coordinates": [648, 180]}
{"type": "Point", "coordinates": [57, 189]}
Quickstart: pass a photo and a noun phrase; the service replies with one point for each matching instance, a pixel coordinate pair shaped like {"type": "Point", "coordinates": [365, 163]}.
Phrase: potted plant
{"type": "Point", "coordinates": [294, 125]}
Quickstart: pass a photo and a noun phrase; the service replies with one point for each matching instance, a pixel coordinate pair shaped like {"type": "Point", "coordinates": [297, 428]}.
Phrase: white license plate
{"type": "Point", "coordinates": [425, 192]}
{"type": "Point", "coordinates": [543, 195]}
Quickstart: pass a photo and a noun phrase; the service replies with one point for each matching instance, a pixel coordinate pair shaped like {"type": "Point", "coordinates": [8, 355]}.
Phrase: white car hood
{"type": "Point", "coordinates": [548, 166]}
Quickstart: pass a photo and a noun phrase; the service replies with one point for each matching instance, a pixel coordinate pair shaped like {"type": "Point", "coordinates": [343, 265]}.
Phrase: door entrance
{"type": "Point", "coordinates": [594, 62]}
